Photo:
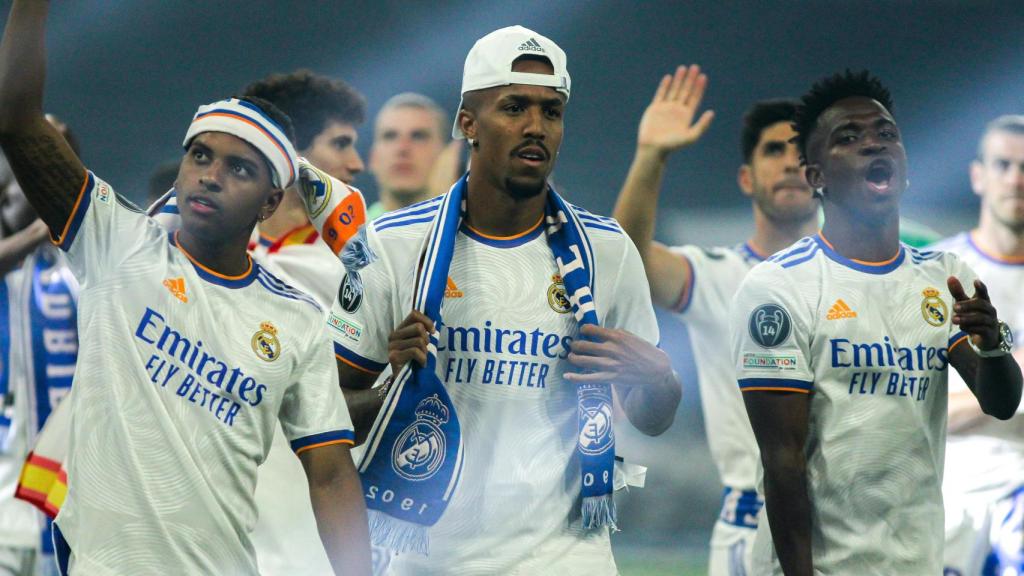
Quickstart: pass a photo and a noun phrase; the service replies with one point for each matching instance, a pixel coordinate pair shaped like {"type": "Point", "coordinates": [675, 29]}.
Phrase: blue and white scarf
{"type": "Point", "coordinates": [39, 311]}
{"type": "Point", "coordinates": [414, 452]}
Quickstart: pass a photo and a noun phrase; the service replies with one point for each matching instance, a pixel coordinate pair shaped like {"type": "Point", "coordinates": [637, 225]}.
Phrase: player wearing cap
{"type": "Point", "coordinates": [190, 353]}
{"type": "Point", "coordinates": [699, 283]}
{"type": "Point", "coordinates": [490, 453]}
{"type": "Point", "coordinates": [984, 481]}
{"type": "Point", "coordinates": [842, 344]}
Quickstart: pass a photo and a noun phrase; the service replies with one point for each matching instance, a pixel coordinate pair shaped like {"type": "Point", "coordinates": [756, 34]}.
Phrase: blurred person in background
{"type": "Point", "coordinates": [409, 158]}
{"type": "Point", "coordinates": [326, 113]}
{"type": "Point", "coordinates": [698, 283]}
{"type": "Point", "coordinates": [161, 180]}
{"type": "Point", "coordinates": [984, 478]}
{"type": "Point", "coordinates": [38, 350]}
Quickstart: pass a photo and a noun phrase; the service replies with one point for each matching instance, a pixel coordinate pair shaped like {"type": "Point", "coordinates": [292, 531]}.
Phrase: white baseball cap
{"type": "Point", "coordinates": [489, 64]}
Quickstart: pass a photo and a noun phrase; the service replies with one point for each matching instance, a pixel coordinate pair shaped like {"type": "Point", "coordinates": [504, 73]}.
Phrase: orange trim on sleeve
{"type": "Point", "coordinates": [71, 217]}
{"type": "Point", "coordinates": [512, 237]}
{"type": "Point", "coordinates": [354, 365]}
{"type": "Point", "coordinates": [207, 270]}
{"type": "Point", "coordinates": [958, 342]}
{"type": "Point", "coordinates": [336, 231]}
{"type": "Point", "coordinates": [328, 443]}
{"type": "Point", "coordinates": [770, 389]}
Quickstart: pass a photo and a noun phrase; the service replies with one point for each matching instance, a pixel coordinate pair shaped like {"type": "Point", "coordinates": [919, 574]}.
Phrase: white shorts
{"type": "Point", "coordinates": [730, 550]}
{"type": "Point", "coordinates": [732, 539]}
{"type": "Point", "coordinates": [984, 537]}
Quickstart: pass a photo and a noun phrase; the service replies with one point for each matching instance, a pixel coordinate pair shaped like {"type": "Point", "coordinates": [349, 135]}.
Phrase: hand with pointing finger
{"type": "Point", "coordinates": [975, 315]}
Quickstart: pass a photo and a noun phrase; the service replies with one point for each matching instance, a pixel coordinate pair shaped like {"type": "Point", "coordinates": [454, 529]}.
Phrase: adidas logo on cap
{"type": "Point", "coordinates": [531, 45]}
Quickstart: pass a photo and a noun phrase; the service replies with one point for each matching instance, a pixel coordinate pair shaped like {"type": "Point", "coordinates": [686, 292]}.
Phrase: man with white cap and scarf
{"type": "Point", "coordinates": [189, 351]}
{"type": "Point", "coordinates": [531, 328]}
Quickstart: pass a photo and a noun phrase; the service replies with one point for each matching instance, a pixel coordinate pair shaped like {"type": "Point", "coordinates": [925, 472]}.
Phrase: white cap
{"type": "Point", "coordinates": [489, 64]}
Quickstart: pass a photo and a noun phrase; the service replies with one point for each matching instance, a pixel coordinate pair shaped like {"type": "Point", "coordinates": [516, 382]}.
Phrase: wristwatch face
{"type": "Point", "coordinates": [1005, 337]}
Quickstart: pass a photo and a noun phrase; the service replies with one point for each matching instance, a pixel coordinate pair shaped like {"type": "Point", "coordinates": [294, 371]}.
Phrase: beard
{"type": "Point", "coordinates": [524, 190]}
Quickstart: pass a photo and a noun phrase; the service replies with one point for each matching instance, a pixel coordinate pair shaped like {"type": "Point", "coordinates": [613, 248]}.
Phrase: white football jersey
{"type": "Point", "coordinates": [870, 342]}
{"type": "Point", "coordinates": [991, 454]}
{"type": "Point", "coordinates": [715, 276]}
{"type": "Point", "coordinates": [502, 352]}
{"type": "Point", "coordinates": [182, 377]}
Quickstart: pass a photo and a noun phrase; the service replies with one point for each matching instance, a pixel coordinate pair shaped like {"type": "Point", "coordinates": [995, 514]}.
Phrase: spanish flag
{"type": "Point", "coordinates": [44, 481]}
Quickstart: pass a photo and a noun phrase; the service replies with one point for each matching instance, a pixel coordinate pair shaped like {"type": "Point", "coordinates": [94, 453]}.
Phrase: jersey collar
{"type": "Point", "coordinates": [883, 267]}
{"type": "Point", "coordinates": [213, 277]}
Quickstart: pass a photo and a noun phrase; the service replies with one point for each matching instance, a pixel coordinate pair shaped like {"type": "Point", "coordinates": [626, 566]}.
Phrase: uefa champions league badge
{"type": "Point", "coordinates": [933, 309]}
{"type": "Point", "coordinates": [769, 325]}
{"type": "Point", "coordinates": [419, 450]}
{"type": "Point", "coordinates": [595, 414]}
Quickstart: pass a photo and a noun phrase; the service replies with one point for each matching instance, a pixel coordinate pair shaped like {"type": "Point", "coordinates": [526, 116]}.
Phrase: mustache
{"type": "Point", "coordinates": [531, 144]}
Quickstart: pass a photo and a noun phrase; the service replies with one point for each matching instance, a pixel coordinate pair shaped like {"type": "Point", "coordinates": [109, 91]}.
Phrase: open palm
{"type": "Point", "coordinates": [668, 123]}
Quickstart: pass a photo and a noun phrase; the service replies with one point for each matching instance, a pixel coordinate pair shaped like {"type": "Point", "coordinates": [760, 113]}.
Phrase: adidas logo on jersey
{"type": "Point", "coordinates": [840, 310]}
{"type": "Point", "coordinates": [531, 45]}
{"type": "Point", "coordinates": [177, 287]}
{"type": "Point", "coordinates": [451, 290]}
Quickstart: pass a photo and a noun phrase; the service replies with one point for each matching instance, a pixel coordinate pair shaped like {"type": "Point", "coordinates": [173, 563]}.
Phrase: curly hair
{"type": "Point", "coordinates": [760, 116]}
{"type": "Point", "coordinates": [827, 92]}
{"type": "Point", "coordinates": [311, 101]}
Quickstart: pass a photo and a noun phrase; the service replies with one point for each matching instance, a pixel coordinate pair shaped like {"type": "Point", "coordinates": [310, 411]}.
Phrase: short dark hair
{"type": "Point", "coordinates": [1009, 123]}
{"type": "Point", "coordinates": [760, 116]}
{"type": "Point", "coordinates": [311, 101]}
{"type": "Point", "coordinates": [827, 92]}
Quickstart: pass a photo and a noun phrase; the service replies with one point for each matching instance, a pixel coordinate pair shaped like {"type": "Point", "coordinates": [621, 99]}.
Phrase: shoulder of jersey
{"type": "Point", "coordinates": [958, 243]}
{"type": "Point", "coordinates": [933, 252]}
{"type": "Point", "coordinates": [803, 251]}
{"type": "Point", "coordinates": [594, 222]}
{"type": "Point", "coordinates": [278, 287]}
{"type": "Point", "coordinates": [408, 221]}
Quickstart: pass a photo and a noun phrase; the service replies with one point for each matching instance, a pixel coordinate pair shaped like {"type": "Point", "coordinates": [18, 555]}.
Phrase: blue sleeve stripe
{"type": "Point", "coordinates": [332, 437]}
{"type": "Point", "coordinates": [394, 224]}
{"type": "Point", "coordinates": [775, 384]}
{"type": "Point", "coordinates": [357, 361]}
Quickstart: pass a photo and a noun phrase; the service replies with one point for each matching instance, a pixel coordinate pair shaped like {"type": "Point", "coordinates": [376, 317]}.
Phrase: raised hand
{"type": "Point", "coordinates": [975, 315]}
{"type": "Point", "coordinates": [668, 123]}
{"type": "Point", "coordinates": [409, 341]}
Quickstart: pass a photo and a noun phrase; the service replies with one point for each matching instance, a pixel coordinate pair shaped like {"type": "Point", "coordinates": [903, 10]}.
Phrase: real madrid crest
{"type": "Point", "coordinates": [557, 298]}
{"type": "Point", "coordinates": [933, 308]}
{"type": "Point", "coordinates": [595, 421]}
{"type": "Point", "coordinates": [265, 343]}
{"type": "Point", "coordinates": [418, 452]}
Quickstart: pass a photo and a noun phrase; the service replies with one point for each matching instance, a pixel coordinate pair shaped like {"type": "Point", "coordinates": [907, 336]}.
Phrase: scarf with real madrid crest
{"type": "Point", "coordinates": [414, 451]}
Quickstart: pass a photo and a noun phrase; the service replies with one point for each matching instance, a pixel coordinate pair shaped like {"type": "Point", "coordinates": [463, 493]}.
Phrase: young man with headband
{"type": "Point", "coordinates": [491, 453]}
{"type": "Point", "coordinates": [175, 403]}
{"type": "Point", "coordinates": [842, 344]}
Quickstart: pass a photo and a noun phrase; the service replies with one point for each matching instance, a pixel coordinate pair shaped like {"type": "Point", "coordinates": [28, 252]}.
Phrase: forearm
{"type": "Point", "coordinates": [340, 511]}
{"type": "Point", "coordinates": [789, 512]}
{"type": "Point", "coordinates": [636, 207]}
{"type": "Point", "coordinates": [363, 406]}
{"type": "Point", "coordinates": [997, 384]}
{"type": "Point", "coordinates": [23, 64]}
{"type": "Point", "coordinates": [652, 409]}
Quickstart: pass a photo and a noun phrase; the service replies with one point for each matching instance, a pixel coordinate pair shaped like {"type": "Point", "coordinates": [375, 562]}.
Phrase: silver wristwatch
{"type": "Point", "coordinates": [1002, 349]}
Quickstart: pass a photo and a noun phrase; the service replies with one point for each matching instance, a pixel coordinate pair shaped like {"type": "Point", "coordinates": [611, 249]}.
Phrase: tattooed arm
{"type": "Point", "coordinates": [48, 170]}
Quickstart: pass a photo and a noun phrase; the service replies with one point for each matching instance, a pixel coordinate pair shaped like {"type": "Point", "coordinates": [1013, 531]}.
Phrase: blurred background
{"type": "Point", "coordinates": [127, 75]}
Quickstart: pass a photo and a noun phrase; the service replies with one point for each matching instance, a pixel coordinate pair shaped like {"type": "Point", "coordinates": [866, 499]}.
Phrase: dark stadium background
{"type": "Point", "coordinates": [127, 75]}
